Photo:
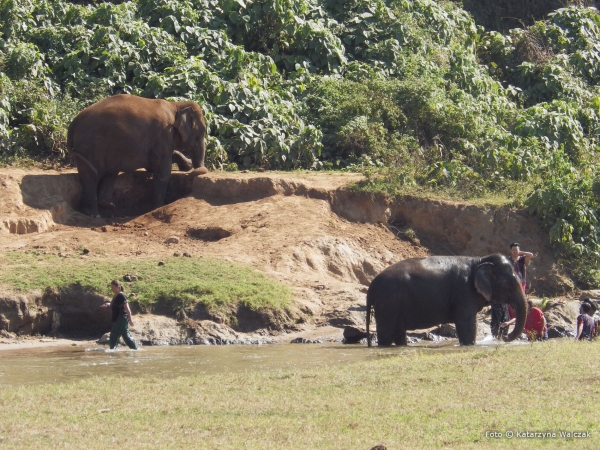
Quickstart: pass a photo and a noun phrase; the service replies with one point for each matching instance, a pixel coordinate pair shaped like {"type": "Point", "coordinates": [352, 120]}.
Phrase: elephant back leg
{"type": "Point", "coordinates": [386, 318]}
{"type": "Point", "coordinates": [105, 191]}
{"type": "Point", "coordinates": [89, 184]}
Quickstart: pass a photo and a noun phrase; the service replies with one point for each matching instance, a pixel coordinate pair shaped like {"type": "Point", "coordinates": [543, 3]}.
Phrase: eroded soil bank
{"type": "Point", "coordinates": [308, 231]}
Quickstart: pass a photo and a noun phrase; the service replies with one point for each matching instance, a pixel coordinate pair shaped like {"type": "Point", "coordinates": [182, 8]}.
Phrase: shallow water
{"type": "Point", "coordinates": [66, 364]}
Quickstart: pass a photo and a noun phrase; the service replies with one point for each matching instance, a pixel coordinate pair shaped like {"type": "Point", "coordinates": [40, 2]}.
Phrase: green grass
{"type": "Point", "coordinates": [513, 194]}
{"type": "Point", "coordinates": [419, 399]}
{"type": "Point", "coordinates": [180, 282]}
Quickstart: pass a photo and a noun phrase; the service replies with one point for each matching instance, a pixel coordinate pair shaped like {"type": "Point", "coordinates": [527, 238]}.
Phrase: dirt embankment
{"type": "Point", "coordinates": [306, 230]}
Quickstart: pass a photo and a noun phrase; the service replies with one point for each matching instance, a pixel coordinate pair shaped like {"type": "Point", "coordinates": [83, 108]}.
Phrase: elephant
{"type": "Point", "coordinates": [124, 133]}
{"type": "Point", "coordinates": [420, 293]}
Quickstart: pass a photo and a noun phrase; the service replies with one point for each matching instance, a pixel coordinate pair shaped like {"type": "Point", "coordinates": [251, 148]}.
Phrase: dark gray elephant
{"type": "Point", "coordinates": [124, 133]}
{"type": "Point", "coordinates": [420, 293]}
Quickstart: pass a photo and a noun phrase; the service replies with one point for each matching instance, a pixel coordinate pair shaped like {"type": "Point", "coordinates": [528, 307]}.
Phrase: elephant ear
{"type": "Point", "coordinates": [183, 123]}
{"type": "Point", "coordinates": [483, 280]}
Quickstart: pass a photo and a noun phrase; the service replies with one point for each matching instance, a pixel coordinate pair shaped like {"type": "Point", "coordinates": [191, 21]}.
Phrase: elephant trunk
{"type": "Point", "coordinates": [519, 304]}
{"type": "Point", "coordinates": [198, 154]}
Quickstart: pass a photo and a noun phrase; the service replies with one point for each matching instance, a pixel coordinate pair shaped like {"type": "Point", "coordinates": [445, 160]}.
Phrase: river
{"type": "Point", "coordinates": [66, 364]}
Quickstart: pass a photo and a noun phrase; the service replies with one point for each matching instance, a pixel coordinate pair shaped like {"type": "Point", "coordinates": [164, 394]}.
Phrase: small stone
{"type": "Point", "coordinates": [172, 240]}
{"type": "Point", "coordinates": [161, 263]}
{"type": "Point", "coordinates": [177, 254]}
{"type": "Point", "coordinates": [145, 233]}
{"type": "Point", "coordinates": [85, 251]}
{"type": "Point", "coordinates": [102, 411]}
{"type": "Point", "coordinates": [245, 171]}
{"type": "Point", "coordinates": [93, 228]}
{"type": "Point", "coordinates": [260, 169]}
{"type": "Point", "coordinates": [187, 255]}
{"type": "Point", "coordinates": [104, 229]}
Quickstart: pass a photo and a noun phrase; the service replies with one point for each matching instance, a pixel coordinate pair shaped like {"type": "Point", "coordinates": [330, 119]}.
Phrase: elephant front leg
{"type": "Point", "coordinates": [400, 337]}
{"type": "Point", "coordinates": [183, 163]}
{"type": "Point", "coordinates": [466, 330]}
{"type": "Point", "coordinates": [160, 183]}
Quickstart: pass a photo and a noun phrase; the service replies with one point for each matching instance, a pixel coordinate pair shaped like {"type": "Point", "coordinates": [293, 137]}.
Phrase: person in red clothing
{"type": "Point", "coordinates": [535, 324]}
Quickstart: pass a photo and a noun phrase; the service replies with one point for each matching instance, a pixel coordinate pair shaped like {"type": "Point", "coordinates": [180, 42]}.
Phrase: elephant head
{"type": "Point", "coordinates": [496, 281]}
{"type": "Point", "coordinates": [190, 131]}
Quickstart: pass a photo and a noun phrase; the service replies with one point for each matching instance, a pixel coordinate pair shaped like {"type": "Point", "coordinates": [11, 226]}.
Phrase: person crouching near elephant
{"type": "Point", "coordinates": [585, 323]}
{"type": "Point", "coordinates": [593, 313]}
{"type": "Point", "coordinates": [121, 317]}
{"type": "Point", "coordinates": [535, 324]}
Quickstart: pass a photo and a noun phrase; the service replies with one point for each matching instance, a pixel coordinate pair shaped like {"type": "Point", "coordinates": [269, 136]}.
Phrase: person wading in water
{"type": "Point", "coordinates": [121, 317]}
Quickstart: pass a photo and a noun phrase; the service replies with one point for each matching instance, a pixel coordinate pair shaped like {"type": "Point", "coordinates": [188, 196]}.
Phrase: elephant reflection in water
{"type": "Point", "coordinates": [420, 293]}
{"type": "Point", "coordinates": [124, 133]}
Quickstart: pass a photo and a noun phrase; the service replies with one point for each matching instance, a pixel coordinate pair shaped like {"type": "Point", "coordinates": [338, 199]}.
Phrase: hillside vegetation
{"type": "Point", "coordinates": [413, 93]}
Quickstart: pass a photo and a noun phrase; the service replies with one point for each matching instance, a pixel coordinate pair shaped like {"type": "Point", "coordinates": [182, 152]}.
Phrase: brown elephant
{"type": "Point", "coordinates": [124, 133]}
{"type": "Point", "coordinates": [420, 293]}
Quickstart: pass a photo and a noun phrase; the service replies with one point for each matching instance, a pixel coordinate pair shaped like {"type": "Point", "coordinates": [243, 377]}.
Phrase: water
{"type": "Point", "coordinates": [67, 364]}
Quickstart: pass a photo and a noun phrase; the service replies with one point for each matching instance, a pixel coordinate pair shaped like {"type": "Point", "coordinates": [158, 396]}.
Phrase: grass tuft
{"type": "Point", "coordinates": [180, 282]}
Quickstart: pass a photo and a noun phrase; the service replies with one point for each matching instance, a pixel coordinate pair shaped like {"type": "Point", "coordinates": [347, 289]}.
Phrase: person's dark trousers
{"type": "Point", "coordinates": [121, 328]}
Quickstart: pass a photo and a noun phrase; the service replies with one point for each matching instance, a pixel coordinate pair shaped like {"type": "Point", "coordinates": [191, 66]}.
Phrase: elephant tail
{"type": "Point", "coordinates": [369, 305]}
{"type": "Point", "coordinates": [80, 157]}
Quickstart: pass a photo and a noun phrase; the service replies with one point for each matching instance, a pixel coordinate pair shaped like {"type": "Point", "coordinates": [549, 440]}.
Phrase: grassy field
{"type": "Point", "coordinates": [180, 282]}
{"type": "Point", "coordinates": [418, 399]}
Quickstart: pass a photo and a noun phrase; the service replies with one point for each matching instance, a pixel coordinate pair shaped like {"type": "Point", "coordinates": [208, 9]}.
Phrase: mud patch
{"type": "Point", "coordinates": [211, 234]}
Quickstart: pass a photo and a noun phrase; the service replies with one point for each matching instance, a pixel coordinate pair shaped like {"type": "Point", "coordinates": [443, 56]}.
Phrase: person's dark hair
{"type": "Point", "coordinates": [117, 283]}
{"type": "Point", "coordinates": [514, 244]}
{"type": "Point", "coordinates": [588, 301]}
{"type": "Point", "coordinates": [586, 307]}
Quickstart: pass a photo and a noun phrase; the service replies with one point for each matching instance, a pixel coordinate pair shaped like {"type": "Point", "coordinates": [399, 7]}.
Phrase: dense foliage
{"type": "Point", "coordinates": [413, 92]}
{"type": "Point", "coordinates": [507, 14]}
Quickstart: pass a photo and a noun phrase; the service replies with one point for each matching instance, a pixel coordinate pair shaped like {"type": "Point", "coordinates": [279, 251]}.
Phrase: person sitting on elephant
{"type": "Point", "coordinates": [519, 260]}
{"type": "Point", "coordinates": [585, 323]}
{"type": "Point", "coordinates": [121, 317]}
{"type": "Point", "coordinates": [535, 324]}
